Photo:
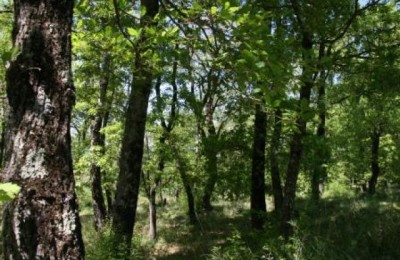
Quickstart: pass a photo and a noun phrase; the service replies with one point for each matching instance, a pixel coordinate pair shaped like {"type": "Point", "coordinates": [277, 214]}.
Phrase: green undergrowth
{"type": "Point", "coordinates": [335, 228]}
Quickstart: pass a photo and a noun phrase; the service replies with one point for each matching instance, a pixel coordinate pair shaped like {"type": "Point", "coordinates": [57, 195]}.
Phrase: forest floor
{"type": "Point", "coordinates": [359, 227]}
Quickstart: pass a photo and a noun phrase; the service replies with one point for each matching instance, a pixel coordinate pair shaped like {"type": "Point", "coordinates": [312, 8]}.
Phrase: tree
{"type": "Point", "coordinates": [130, 161]}
{"type": "Point", "coordinates": [274, 160]}
{"type": "Point", "coordinates": [258, 205]}
{"type": "Point", "coordinates": [43, 221]}
{"type": "Point", "coordinates": [99, 121]}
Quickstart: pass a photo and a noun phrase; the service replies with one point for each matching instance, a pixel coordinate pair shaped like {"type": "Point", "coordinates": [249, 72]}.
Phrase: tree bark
{"type": "Point", "coordinates": [4, 113]}
{"type": "Point", "coordinates": [43, 221]}
{"type": "Point", "coordinates": [296, 143]}
{"type": "Point", "coordinates": [153, 194]}
{"type": "Point", "coordinates": [211, 151]}
{"type": "Point", "coordinates": [98, 144]}
{"type": "Point", "coordinates": [212, 170]}
{"type": "Point", "coordinates": [375, 168]}
{"type": "Point", "coordinates": [319, 171]}
{"type": "Point", "coordinates": [257, 199]}
{"type": "Point", "coordinates": [109, 201]}
{"type": "Point", "coordinates": [182, 168]}
{"type": "Point", "coordinates": [167, 129]}
{"type": "Point", "coordinates": [274, 160]}
{"type": "Point", "coordinates": [130, 162]}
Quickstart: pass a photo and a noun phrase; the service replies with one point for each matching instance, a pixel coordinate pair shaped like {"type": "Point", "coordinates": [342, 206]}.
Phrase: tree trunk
{"type": "Point", "coordinates": [109, 201]}
{"type": "Point", "coordinates": [212, 171]}
{"type": "Point", "coordinates": [274, 160]}
{"type": "Point", "coordinates": [152, 214]}
{"type": "Point", "coordinates": [296, 143]}
{"type": "Point", "coordinates": [257, 201]}
{"type": "Point", "coordinates": [153, 194]}
{"type": "Point", "coordinates": [98, 143]}
{"type": "Point", "coordinates": [319, 171]}
{"type": "Point", "coordinates": [43, 221]}
{"type": "Point", "coordinates": [210, 149]}
{"type": "Point", "coordinates": [182, 168]}
{"type": "Point", "coordinates": [4, 113]}
{"type": "Point", "coordinates": [130, 162]}
{"type": "Point", "coordinates": [167, 129]}
{"type": "Point", "coordinates": [375, 169]}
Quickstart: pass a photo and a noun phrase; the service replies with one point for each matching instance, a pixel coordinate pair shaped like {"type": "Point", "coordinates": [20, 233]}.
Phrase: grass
{"type": "Point", "coordinates": [336, 228]}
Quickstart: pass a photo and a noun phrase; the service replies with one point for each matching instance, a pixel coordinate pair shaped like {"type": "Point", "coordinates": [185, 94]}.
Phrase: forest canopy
{"type": "Point", "coordinates": [213, 129]}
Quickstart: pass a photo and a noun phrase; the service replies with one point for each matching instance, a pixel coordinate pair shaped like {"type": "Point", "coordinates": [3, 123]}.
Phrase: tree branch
{"type": "Point", "coordinates": [120, 27]}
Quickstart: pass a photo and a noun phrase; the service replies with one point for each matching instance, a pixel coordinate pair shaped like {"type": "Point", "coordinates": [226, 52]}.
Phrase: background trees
{"type": "Point", "coordinates": [197, 102]}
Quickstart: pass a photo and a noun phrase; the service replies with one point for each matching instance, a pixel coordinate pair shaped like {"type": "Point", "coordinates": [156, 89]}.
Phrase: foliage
{"type": "Point", "coordinates": [8, 191]}
{"type": "Point", "coordinates": [213, 61]}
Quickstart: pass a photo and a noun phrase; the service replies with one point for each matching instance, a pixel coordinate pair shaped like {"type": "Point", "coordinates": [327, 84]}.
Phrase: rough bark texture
{"type": "Point", "coordinates": [274, 161]}
{"type": "Point", "coordinates": [130, 162]}
{"type": "Point", "coordinates": [296, 143]}
{"type": "Point", "coordinates": [257, 198]}
{"type": "Point", "coordinates": [98, 143]}
{"type": "Point", "coordinates": [43, 221]}
{"type": "Point", "coordinates": [375, 169]}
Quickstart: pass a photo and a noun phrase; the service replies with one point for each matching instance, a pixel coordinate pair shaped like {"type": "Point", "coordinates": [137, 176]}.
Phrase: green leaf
{"type": "Point", "coordinates": [8, 191]}
{"type": "Point", "coordinates": [214, 10]}
{"type": "Point", "coordinates": [227, 5]}
{"type": "Point", "coordinates": [233, 9]}
{"type": "Point", "coordinates": [134, 32]}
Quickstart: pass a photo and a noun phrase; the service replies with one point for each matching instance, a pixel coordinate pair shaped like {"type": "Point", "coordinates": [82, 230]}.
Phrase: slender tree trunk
{"type": "Point", "coordinates": [274, 160]}
{"type": "Point", "coordinates": [212, 171]}
{"type": "Point", "coordinates": [98, 144]}
{"type": "Point", "coordinates": [375, 169]}
{"type": "Point", "coordinates": [152, 214]}
{"type": "Point", "coordinates": [319, 171]}
{"type": "Point", "coordinates": [257, 201]}
{"type": "Point", "coordinates": [43, 221]}
{"type": "Point", "coordinates": [296, 143]}
{"type": "Point", "coordinates": [4, 112]}
{"type": "Point", "coordinates": [210, 143]}
{"type": "Point", "coordinates": [130, 162]}
{"type": "Point", "coordinates": [109, 201]}
{"type": "Point", "coordinates": [167, 129]}
{"type": "Point", "coordinates": [153, 194]}
{"type": "Point", "coordinates": [182, 168]}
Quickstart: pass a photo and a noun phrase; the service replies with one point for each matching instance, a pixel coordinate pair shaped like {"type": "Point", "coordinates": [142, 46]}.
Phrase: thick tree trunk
{"type": "Point", "coordinates": [43, 221]}
{"type": "Point", "coordinates": [257, 198]}
{"type": "Point", "coordinates": [274, 160]}
{"type": "Point", "coordinates": [296, 143]}
{"type": "Point", "coordinates": [319, 171]}
{"type": "Point", "coordinates": [375, 169]}
{"type": "Point", "coordinates": [98, 144]}
{"type": "Point", "coordinates": [130, 162]}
